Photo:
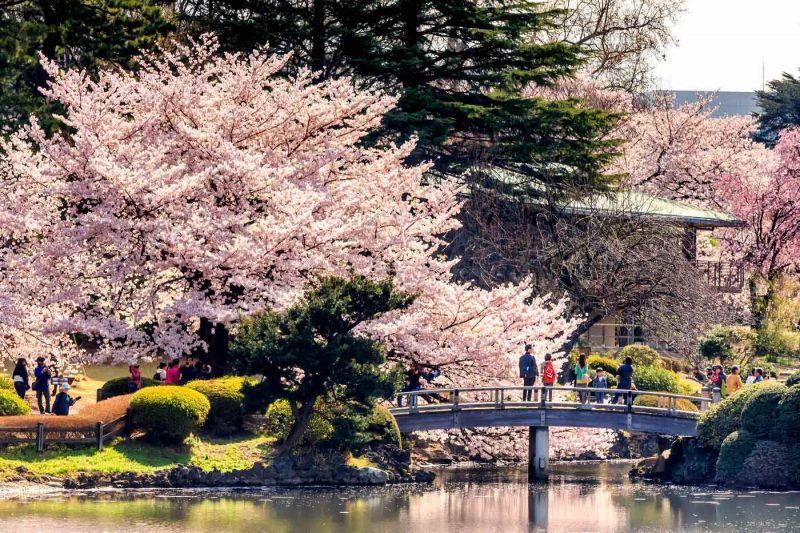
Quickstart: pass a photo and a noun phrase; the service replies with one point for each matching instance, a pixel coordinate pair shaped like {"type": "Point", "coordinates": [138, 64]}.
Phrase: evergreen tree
{"type": "Point", "coordinates": [780, 107]}
{"type": "Point", "coordinates": [459, 67]}
{"type": "Point", "coordinates": [312, 350]}
{"type": "Point", "coordinates": [83, 33]}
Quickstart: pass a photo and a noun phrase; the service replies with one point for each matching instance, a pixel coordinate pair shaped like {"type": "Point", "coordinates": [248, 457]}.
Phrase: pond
{"type": "Point", "coordinates": [579, 497]}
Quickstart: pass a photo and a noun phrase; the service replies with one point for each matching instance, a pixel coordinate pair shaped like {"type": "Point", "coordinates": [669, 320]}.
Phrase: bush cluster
{"type": "Point", "coordinates": [606, 363]}
{"type": "Point", "coordinates": [733, 452]}
{"type": "Point", "coordinates": [382, 426]}
{"type": "Point", "coordinates": [169, 412]}
{"type": "Point", "coordinates": [225, 396]}
{"type": "Point", "coordinates": [642, 355]}
{"type": "Point", "coordinates": [657, 401]}
{"type": "Point", "coordinates": [11, 404]}
{"type": "Point", "coordinates": [724, 418]}
{"type": "Point", "coordinates": [6, 383]}
{"type": "Point", "coordinates": [759, 413]}
{"type": "Point", "coordinates": [119, 386]}
{"type": "Point", "coordinates": [655, 379]}
{"type": "Point", "coordinates": [785, 427]}
{"type": "Point", "coordinates": [279, 420]}
{"type": "Point", "coordinates": [793, 380]}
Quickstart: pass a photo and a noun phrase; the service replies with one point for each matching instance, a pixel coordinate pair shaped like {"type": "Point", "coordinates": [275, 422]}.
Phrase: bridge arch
{"type": "Point", "coordinates": [501, 407]}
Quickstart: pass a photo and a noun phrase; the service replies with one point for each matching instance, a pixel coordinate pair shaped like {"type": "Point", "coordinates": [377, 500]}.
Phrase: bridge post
{"type": "Point", "coordinates": [716, 395]}
{"type": "Point", "coordinates": [538, 453]}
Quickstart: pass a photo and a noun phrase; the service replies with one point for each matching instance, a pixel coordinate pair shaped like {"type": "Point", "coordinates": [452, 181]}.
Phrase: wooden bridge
{"type": "Point", "coordinates": [551, 406]}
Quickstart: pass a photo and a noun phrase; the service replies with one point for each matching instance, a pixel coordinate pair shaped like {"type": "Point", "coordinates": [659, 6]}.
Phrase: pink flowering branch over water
{"type": "Point", "coordinates": [206, 186]}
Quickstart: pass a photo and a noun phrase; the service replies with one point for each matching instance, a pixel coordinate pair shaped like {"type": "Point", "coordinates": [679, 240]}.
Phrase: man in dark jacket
{"type": "Point", "coordinates": [625, 380]}
{"type": "Point", "coordinates": [528, 371]}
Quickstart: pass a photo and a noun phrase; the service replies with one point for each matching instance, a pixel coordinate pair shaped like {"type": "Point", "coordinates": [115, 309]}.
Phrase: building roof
{"type": "Point", "coordinates": [622, 203]}
{"type": "Point", "coordinates": [724, 103]}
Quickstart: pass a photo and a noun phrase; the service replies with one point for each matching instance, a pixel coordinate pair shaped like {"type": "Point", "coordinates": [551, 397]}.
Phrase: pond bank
{"type": "Point", "coordinates": [380, 465]}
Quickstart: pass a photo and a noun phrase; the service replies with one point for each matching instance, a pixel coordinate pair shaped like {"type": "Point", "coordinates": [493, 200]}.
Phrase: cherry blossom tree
{"type": "Point", "coordinates": [204, 187]}
{"type": "Point", "coordinates": [769, 203]}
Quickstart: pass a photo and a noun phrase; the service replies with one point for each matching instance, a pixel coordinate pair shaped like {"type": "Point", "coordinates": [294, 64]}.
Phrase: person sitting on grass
{"type": "Point", "coordinates": [63, 401]}
{"type": "Point", "coordinates": [135, 380]}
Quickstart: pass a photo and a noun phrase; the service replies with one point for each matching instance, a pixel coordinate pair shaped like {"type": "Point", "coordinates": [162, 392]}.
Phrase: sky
{"type": "Point", "coordinates": [723, 43]}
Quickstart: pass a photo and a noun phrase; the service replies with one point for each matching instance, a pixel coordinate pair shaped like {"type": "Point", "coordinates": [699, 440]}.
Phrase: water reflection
{"type": "Point", "coordinates": [578, 498]}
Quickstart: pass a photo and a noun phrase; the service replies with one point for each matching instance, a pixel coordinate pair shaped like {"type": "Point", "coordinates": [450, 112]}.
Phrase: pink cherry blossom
{"type": "Point", "coordinates": [206, 186]}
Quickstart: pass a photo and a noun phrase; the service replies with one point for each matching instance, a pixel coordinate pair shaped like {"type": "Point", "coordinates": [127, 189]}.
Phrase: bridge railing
{"type": "Point", "coordinates": [454, 399]}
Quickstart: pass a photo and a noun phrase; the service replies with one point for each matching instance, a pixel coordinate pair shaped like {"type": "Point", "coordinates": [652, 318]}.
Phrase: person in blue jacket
{"type": "Point", "coordinates": [528, 371]}
{"type": "Point", "coordinates": [63, 401]}
{"type": "Point", "coordinates": [625, 375]}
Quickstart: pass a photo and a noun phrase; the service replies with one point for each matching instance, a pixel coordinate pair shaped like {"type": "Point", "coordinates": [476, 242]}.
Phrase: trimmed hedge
{"type": "Point", "coordinates": [785, 427]}
{"type": "Point", "coordinates": [724, 418]}
{"type": "Point", "coordinates": [642, 355]}
{"type": "Point", "coordinates": [658, 401]}
{"type": "Point", "coordinates": [225, 396]}
{"type": "Point", "coordinates": [382, 424]}
{"type": "Point", "coordinates": [119, 386]}
{"type": "Point", "coordinates": [688, 387]}
{"type": "Point", "coordinates": [169, 412]}
{"type": "Point", "coordinates": [12, 405]}
{"type": "Point", "coordinates": [606, 363]}
{"type": "Point", "coordinates": [758, 415]}
{"type": "Point", "coordinates": [735, 449]}
{"type": "Point", "coordinates": [793, 380]}
{"type": "Point", "coordinates": [6, 383]}
{"type": "Point", "coordinates": [655, 379]}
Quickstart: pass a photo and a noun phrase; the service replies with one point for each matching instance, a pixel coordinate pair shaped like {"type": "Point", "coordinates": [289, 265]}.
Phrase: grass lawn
{"type": "Point", "coordinates": [138, 456]}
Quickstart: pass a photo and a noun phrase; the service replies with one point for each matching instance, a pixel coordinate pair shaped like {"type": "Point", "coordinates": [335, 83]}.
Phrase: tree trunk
{"type": "Point", "coordinates": [318, 38]}
{"type": "Point", "coordinates": [301, 420]}
{"type": "Point", "coordinates": [571, 339]}
{"type": "Point", "coordinates": [217, 338]}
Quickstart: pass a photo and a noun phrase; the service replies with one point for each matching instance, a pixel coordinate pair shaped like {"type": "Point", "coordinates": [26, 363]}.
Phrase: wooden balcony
{"type": "Point", "coordinates": [724, 276]}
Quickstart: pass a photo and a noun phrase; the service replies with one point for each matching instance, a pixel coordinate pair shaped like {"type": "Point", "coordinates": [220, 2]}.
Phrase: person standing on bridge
{"type": "Point", "coordinates": [734, 380]}
{"type": "Point", "coordinates": [549, 377]}
{"type": "Point", "coordinates": [528, 371]}
{"type": "Point", "coordinates": [582, 379]}
{"type": "Point", "coordinates": [625, 374]}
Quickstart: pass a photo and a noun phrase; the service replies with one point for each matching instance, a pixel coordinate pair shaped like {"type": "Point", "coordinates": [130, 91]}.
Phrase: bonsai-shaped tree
{"type": "Point", "coordinates": [313, 347]}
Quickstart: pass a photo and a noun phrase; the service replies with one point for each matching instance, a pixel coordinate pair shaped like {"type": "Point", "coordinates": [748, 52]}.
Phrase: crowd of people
{"type": "Point", "coordinates": [58, 401]}
{"type": "Point", "coordinates": [172, 373]}
{"type": "Point", "coordinates": [580, 376]}
{"type": "Point", "coordinates": [45, 376]}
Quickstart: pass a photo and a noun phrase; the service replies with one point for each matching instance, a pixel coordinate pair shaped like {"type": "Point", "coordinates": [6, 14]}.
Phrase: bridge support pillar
{"type": "Point", "coordinates": [538, 453]}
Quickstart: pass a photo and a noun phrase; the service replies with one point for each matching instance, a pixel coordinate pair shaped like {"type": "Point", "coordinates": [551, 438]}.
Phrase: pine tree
{"type": "Point", "coordinates": [82, 33]}
{"type": "Point", "coordinates": [780, 108]}
{"type": "Point", "coordinates": [459, 68]}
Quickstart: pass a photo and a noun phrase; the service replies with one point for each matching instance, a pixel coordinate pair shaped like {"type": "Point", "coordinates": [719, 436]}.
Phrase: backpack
{"type": "Point", "coordinates": [548, 373]}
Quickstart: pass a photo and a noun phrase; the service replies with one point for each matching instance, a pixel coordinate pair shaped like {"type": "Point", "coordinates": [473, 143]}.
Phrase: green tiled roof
{"type": "Point", "coordinates": [625, 203]}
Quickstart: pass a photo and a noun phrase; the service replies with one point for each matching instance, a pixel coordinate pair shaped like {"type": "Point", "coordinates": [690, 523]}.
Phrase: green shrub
{"type": "Point", "coordinates": [785, 427]}
{"type": "Point", "coordinates": [12, 405]}
{"type": "Point", "coordinates": [655, 379]}
{"type": "Point", "coordinates": [658, 401]}
{"type": "Point", "coordinates": [725, 342]}
{"type": "Point", "coordinates": [6, 383]}
{"type": "Point", "coordinates": [724, 418]}
{"type": "Point", "coordinates": [169, 412]}
{"type": "Point", "coordinates": [688, 387]}
{"type": "Point", "coordinates": [119, 386]}
{"type": "Point", "coordinates": [280, 419]}
{"type": "Point", "coordinates": [642, 355]}
{"type": "Point", "coordinates": [735, 449]}
{"type": "Point", "coordinates": [382, 425]}
{"type": "Point", "coordinates": [225, 396]}
{"type": "Point", "coordinates": [606, 363]}
{"type": "Point", "coordinates": [760, 411]}
{"type": "Point", "coordinates": [793, 380]}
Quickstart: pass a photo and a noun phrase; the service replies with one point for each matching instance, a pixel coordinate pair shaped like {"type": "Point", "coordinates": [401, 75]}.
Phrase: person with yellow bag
{"type": "Point", "coordinates": [582, 379]}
